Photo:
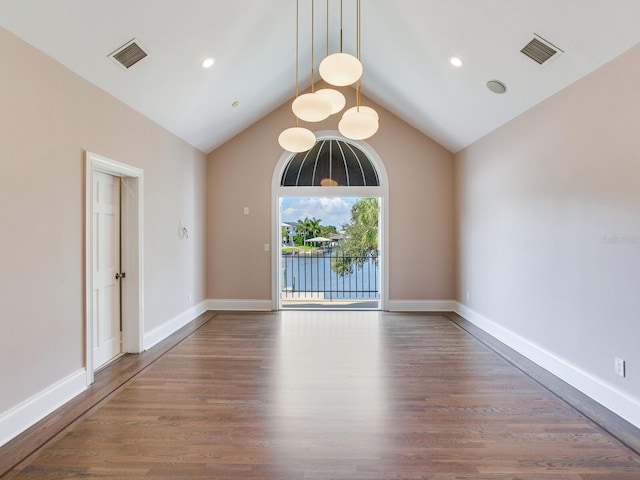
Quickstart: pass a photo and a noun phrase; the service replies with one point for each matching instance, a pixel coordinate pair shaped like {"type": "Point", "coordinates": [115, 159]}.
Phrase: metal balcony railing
{"type": "Point", "coordinates": [313, 276]}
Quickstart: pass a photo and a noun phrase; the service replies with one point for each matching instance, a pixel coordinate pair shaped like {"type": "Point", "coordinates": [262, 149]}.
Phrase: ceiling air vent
{"type": "Point", "coordinates": [539, 50]}
{"type": "Point", "coordinates": [128, 54]}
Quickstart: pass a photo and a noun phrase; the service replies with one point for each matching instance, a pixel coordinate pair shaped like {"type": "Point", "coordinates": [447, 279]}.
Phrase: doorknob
{"type": "Point", "coordinates": [120, 275]}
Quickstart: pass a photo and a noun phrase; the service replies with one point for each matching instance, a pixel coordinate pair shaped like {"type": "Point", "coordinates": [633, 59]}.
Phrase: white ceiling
{"type": "Point", "coordinates": [405, 50]}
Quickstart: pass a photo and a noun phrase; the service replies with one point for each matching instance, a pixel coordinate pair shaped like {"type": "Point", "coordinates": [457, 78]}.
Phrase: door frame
{"type": "Point", "coordinates": [382, 192]}
{"type": "Point", "coordinates": [132, 254]}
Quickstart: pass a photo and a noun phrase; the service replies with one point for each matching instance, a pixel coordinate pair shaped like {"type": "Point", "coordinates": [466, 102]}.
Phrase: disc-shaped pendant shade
{"type": "Point", "coordinates": [311, 107]}
{"type": "Point", "coordinates": [329, 182]}
{"type": "Point", "coordinates": [362, 109]}
{"type": "Point", "coordinates": [340, 69]}
{"type": "Point", "coordinates": [358, 125]}
{"type": "Point", "coordinates": [335, 97]}
{"type": "Point", "coordinates": [297, 139]}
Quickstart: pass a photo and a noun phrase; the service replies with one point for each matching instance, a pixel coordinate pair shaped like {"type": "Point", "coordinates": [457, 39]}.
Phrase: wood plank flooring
{"type": "Point", "coordinates": [106, 382]}
{"type": "Point", "coordinates": [332, 395]}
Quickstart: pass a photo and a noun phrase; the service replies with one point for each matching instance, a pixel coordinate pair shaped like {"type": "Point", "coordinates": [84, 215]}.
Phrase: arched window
{"type": "Point", "coordinates": [330, 163]}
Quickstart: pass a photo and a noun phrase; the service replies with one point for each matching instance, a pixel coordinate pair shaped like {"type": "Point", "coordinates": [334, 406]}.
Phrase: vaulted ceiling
{"type": "Point", "coordinates": [406, 46]}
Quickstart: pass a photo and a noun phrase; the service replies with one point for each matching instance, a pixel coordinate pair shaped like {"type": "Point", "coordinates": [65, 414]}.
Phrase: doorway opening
{"type": "Point", "coordinates": [101, 177]}
{"type": "Point", "coordinates": [330, 227]}
{"type": "Point", "coordinates": [330, 255]}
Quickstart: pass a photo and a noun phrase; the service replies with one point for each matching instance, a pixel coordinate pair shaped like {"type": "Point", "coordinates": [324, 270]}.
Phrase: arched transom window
{"type": "Point", "coordinates": [330, 163]}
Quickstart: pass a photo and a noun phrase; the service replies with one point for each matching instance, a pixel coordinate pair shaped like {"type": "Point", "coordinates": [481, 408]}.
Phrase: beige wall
{"type": "Point", "coordinates": [421, 243]}
{"type": "Point", "coordinates": [48, 117]}
{"type": "Point", "coordinates": [547, 208]}
{"type": "Point", "coordinates": [549, 226]}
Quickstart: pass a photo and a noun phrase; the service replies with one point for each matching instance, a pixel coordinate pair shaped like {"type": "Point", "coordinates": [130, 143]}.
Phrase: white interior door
{"type": "Point", "coordinates": [106, 268]}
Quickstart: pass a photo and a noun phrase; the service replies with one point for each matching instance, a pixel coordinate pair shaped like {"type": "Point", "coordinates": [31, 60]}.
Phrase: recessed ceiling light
{"type": "Point", "coordinates": [208, 62]}
{"type": "Point", "coordinates": [456, 62]}
{"type": "Point", "coordinates": [496, 86]}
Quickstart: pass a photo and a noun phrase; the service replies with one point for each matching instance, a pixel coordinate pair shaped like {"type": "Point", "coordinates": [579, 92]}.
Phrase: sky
{"type": "Point", "coordinates": [334, 211]}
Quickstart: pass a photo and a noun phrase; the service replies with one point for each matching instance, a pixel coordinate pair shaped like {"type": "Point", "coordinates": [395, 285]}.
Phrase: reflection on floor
{"type": "Point", "coordinates": [319, 304]}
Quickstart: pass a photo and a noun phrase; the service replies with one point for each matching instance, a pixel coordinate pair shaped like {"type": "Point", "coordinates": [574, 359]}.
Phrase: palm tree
{"type": "Point", "coordinates": [314, 227]}
{"type": "Point", "coordinates": [303, 229]}
{"type": "Point", "coordinates": [309, 228]}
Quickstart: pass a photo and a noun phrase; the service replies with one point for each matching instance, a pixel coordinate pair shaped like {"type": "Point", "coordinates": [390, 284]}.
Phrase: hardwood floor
{"type": "Point", "coordinates": [332, 395]}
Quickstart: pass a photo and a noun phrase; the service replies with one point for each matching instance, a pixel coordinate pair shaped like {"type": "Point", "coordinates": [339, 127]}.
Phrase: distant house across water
{"type": "Point", "coordinates": [290, 228]}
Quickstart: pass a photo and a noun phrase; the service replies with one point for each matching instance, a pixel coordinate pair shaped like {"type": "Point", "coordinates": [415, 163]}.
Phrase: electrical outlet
{"type": "Point", "coordinates": [620, 367]}
{"type": "Point", "coordinates": [267, 247]}
{"type": "Point", "coordinates": [246, 210]}
{"type": "Point", "coordinates": [468, 296]}
{"type": "Point", "coordinates": [190, 296]}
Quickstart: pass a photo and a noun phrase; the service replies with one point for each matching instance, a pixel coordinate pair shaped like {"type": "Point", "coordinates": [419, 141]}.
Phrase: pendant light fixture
{"type": "Point", "coordinates": [362, 108]}
{"type": "Point", "coordinates": [334, 96]}
{"type": "Point", "coordinates": [340, 69]}
{"type": "Point", "coordinates": [358, 126]}
{"type": "Point", "coordinates": [297, 139]}
{"type": "Point", "coordinates": [312, 107]}
{"type": "Point", "coordinates": [359, 122]}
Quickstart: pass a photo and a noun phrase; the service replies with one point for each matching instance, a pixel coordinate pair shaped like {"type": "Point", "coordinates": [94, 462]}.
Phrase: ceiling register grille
{"type": "Point", "coordinates": [129, 54]}
{"type": "Point", "coordinates": [539, 50]}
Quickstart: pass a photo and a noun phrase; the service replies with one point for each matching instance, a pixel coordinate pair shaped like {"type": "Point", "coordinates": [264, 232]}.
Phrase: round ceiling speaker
{"type": "Point", "coordinates": [311, 107]}
{"type": "Point", "coordinates": [335, 97]}
{"type": "Point", "coordinates": [362, 109]}
{"type": "Point", "coordinates": [340, 69]}
{"type": "Point", "coordinates": [297, 139]}
{"type": "Point", "coordinates": [496, 86]}
{"type": "Point", "coordinates": [358, 125]}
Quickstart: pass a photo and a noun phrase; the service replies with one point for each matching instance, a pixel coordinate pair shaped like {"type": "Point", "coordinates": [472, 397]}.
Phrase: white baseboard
{"type": "Point", "coordinates": [19, 418]}
{"type": "Point", "coordinates": [240, 305]}
{"type": "Point", "coordinates": [22, 416]}
{"type": "Point", "coordinates": [602, 392]}
{"type": "Point", "coordinates": [161, 332]}
{"type": "Point", "coordinates": [421, 305]}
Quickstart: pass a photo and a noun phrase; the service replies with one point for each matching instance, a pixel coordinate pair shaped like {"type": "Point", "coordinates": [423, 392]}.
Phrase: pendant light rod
{"type": "Point", "coordinates": [297, 139]}
{"type": "Point", "coordinates": [358, 52]}
{"type": "Point", "coordinates": [340, 26]}
{"type": "Point", "coordinates": [311, 107]}
{"type": "Point", "coordinates": [297, 51]}
{"type": "Point", "coordinates": [358, 32]}
{"type": "Point", "coordinates": [327, 54]}
{"type": "Point", "coordinates": [313, 61]}
{"type": "Point", "coordinates": [334, 96]}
